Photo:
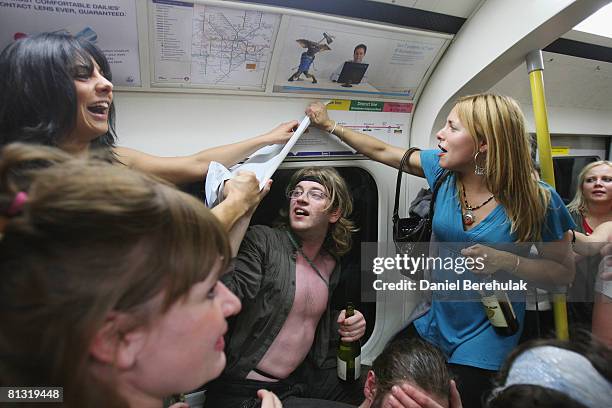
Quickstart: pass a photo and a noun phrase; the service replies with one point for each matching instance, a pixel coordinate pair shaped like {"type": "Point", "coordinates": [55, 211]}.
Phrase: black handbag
{"type": "Point", "coordinates": [413, 229]}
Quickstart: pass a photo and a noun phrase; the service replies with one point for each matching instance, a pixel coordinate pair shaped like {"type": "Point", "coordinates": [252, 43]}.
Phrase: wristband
{"type": "Point", "coordinates": [331, 132]}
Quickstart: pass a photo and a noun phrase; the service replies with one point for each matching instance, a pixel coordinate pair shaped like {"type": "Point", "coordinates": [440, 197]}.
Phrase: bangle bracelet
{"type": "Point", "coordinates": [518, 262]}
{"type": "Point", "coordinates": [331, 132]}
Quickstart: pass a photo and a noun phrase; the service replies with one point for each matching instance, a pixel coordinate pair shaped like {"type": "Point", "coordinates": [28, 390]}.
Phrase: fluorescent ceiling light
{"type": "Point", "coordinates": [598, 23]}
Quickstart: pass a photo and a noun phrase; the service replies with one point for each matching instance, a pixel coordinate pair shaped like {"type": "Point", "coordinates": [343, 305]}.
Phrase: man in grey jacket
{"type": "Point", "coordinates": [285, 338]}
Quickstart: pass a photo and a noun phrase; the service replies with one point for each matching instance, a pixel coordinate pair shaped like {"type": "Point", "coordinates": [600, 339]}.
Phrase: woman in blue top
{"type": "Point", "coordinates": [490, 197]}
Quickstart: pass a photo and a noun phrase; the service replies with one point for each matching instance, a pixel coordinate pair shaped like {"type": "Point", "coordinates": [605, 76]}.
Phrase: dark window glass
{"type": "Point", "coordinates": [567, 170]}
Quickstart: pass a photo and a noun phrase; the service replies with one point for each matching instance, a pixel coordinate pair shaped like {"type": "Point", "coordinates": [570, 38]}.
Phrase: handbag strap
{"type": "Point", "coordinates": [398, 185]}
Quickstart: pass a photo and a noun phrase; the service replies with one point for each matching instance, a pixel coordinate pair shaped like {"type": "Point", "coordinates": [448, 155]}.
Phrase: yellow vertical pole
{"type": "Point", "coordinates": [535, 67]}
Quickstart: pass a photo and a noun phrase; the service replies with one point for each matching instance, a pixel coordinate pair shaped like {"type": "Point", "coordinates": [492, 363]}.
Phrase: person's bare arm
{"type": "Point", "coordinates": [370, 146]}
{"type": "Point", "coordinates": [554, 266]}
{"type": "Point", "coordinates": [186, 169]}
{"type": "Point", "coordinates": [242, 196]}
{"type": "Point", "coordinates": [239, 228]}
{"type": "Point", "coordinates": [588, 245]}
{"type": "Point", "coordinates": [602, 307]}
{"type": "Point", "coordinates": [602, 323]}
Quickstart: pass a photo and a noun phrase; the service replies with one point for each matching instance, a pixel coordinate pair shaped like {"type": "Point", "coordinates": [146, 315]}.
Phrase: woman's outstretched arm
{"type": "Point", "coordinates": [370, 146]}
{"type": "Point", "coordinates": [192, 168]}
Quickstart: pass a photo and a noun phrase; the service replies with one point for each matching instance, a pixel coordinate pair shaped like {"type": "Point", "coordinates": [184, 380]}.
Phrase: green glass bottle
{"type": "Point", "coordinates": [498, 309]}
{"type": "Point", "coordinates": [349, 355]}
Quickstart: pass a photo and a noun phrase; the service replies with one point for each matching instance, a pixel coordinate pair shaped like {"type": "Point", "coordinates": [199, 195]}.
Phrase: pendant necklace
{"type": "Point", "coordinates": [311, 263]}
{"type": "Point", "coordinates": [468, 215]}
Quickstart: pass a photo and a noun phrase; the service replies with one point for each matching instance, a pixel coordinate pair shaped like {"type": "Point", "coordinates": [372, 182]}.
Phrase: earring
{"type": "Point", "coordinates": [479, 170]}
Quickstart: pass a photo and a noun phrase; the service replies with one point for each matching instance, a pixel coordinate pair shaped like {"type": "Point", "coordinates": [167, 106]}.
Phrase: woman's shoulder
{"type": "Point", "coordinates": [430, 158]}
{"type": "Point", "coordinates": [105, 153]}
{"type": "Point", "coordinates": [558, 218]}
{"type": "Point", "coordinates": [578, 218]}
{"type": "Point", "coordinates": [555, 199]}
{"type": "Point", "coordinates": [430, 163]}
{"type": "Point", "coordinates": [123, 155]}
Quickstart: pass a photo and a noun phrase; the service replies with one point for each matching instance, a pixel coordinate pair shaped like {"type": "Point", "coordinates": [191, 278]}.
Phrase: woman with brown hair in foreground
{"type": "Point", "coordinates": [110, 282]}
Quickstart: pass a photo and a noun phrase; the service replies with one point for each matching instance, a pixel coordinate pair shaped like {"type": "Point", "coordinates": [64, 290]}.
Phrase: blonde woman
{"type": "Point", "coordinates": [591, 208]}
{"type": "Point", "coordinates": [489, 197]}
{"type": "Point", "coordinates": [592, 204]}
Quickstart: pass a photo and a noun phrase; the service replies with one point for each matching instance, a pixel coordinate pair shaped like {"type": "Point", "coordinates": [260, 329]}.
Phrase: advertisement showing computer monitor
{"type": "Point", "coordinates": [352, 73]}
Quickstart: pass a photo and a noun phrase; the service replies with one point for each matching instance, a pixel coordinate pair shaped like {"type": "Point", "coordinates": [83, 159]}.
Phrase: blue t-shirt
{"type": "Point", "coordinates": [461, 328]}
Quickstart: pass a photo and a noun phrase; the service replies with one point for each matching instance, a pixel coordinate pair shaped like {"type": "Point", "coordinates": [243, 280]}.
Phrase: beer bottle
{"type": "Point", "coordinates": [500, 312]}
{"type": "Point", "coordinates": [349, 354]}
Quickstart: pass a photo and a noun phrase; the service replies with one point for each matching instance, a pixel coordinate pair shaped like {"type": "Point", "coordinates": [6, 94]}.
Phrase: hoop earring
{"type": "Point", "coordinates": [479, 170]}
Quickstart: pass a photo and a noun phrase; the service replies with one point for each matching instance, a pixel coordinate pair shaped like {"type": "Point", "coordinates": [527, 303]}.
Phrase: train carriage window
{"type": "Point", "coordinates": [567, 169]}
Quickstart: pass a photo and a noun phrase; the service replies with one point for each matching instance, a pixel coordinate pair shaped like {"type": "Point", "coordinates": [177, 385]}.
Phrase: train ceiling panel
{"type": "Point", "coordinates": [569, 81]}
{"type": "Point", "coordinates": [457, 8]}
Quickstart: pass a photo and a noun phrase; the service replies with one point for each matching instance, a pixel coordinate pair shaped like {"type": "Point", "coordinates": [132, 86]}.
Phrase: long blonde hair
{"type": "Point", "coordinates": [578, 205]}
{"type": "Point", "coordinates": [498, 121]}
